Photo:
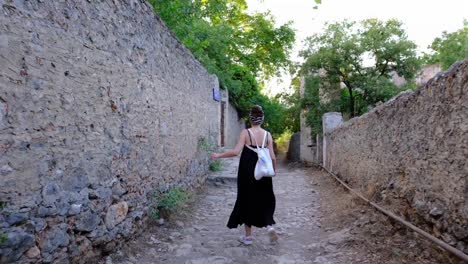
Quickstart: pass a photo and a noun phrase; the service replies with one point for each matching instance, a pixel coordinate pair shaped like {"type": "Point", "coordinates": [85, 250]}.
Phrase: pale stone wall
{"type": "Point", "coordinates": [294, 149]}
{"type": "Point", "coordinates": [310, 148]}
{"type": "Point", "coordinates": [329, 122]}
{"type": "Point", "coordinates": [234, 126]}
{"type": "Point", "coordinates": [306, 152]}
{"type": "Point", "coordinates": [100, 106]}
{"type": "Point", "coordinates": [411, 155]}
{"type": "Point", "coordinates": [427, 73]}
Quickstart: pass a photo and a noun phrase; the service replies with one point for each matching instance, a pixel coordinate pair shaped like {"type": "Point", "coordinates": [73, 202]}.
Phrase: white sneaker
{"type": "Point", "coordinates": [246, 240]}
{"type": "Point", "coordinates": [272, 234]}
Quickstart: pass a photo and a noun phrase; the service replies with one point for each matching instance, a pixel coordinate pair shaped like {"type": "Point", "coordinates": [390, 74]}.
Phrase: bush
{"type": "Point", "coordinates": [163, 204]}
{"type": "Point", "coordinates": [205, 145]}
{"type": "Point", "coordinates": [3, 238]}
{"type": "Point", "coordinates": [283, 141]}
{"type": "Point", "coordinates": [216, 166]}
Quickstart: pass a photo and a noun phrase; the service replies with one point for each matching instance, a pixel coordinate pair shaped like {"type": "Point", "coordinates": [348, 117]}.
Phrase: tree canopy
{"type": "Point", "coordinates": [350, 66]}
{"type": "Point", "coordinates": [449, 48]}
{"type": "Point", "coordinates": [240, 48]}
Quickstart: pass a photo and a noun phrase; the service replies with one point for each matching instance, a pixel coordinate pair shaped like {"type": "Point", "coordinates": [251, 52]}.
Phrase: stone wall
{"type": "Point", "coordinates": [411, 155]}
{"type": "Point", "coordinates": [310, 148]}
{"type": "Point", "coordinates": [330, 121]}
{"type": "Point", "coordinates": [294, 148]}
{"type": "Point", "coordinates": [306, 153]}
{"type": "Point", "coordinates": [426, 73]}
{"type": "Point", "coordinates": [234, 126]}
{"type": "Point", "coordinates": [100, 106]}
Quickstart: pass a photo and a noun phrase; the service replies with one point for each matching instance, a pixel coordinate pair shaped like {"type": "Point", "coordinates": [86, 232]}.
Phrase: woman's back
{"type": "Point", "coordinates": [256, 133]}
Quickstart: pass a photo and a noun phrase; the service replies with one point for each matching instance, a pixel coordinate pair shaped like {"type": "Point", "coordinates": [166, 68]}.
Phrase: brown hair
{"type": "Point", "coordinates": [256, 111]}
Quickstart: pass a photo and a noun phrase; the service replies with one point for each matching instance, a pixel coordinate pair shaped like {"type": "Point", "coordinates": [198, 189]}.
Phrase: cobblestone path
{"type": "Point", "coordinates": [199, 234]}
{"type": "Point", "coordinates": [317, 222]}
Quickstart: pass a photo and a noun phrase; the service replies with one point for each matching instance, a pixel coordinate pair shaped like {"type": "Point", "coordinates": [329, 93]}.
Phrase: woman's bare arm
{"type": "Point", "coordinates": [272, 153]}
{"type": "Point", "coordinates": [232, 152]}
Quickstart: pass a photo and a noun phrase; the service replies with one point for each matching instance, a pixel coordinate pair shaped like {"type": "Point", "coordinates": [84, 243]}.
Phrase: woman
{"type": "Point", "coordinates": [255, 203]}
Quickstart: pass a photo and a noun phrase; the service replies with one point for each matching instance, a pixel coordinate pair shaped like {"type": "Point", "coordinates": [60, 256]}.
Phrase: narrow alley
{"type": "Point", "coordinates": [111, 110]}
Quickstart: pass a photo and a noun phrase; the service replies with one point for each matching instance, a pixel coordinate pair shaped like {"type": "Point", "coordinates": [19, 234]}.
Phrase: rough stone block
{"type": "Point", "coordinates": [16, 218]}
{"type": "Point", "coordinates": [50, 193]}
{"type": "Point", "coordinates": [33, 252]}
{"type": "Point", "coordinates": [87, 221]}
{"type": "Point", "coordinates": [116, 214]}
{"type": "Point", "coordinates": [74, 209]}
{"type": "Point", "coordinates": [5, 170]}
{"type": "Point", "coordinates": [16, 244]}
{"type": "Point", "coordinates": [330, 121]}
{"type": "Point", "coordinates": [53, 239]}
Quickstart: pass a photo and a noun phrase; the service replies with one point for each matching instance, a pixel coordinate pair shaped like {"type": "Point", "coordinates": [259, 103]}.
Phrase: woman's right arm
{"type": "Point", "coordinates": [235, 151]}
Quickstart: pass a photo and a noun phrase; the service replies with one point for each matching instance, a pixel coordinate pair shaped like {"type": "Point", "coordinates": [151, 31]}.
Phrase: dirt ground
{"type": "Point", "coordinates": [373, 236]}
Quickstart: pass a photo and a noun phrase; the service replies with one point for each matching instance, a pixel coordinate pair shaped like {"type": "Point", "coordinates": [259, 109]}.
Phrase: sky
{"type": "Point", "coordinates": [423, 20]}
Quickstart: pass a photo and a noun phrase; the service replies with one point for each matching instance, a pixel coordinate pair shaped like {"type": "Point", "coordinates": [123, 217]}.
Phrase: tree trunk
{"type": "Point", "coordinates": [351, 102]}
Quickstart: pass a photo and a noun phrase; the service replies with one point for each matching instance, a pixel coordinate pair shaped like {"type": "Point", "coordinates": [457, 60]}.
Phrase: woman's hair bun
{"type": "Point", "coordinates": [256, 111]}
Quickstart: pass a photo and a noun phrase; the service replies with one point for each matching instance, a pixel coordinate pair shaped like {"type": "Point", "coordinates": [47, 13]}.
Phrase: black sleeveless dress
{"type": "Point", "coordinates": [255, 203]}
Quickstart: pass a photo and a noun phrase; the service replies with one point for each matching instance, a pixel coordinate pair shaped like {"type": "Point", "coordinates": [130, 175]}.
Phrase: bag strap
{"type": "Point", "coordinates": [256, 143]}
{"type": "Point", "coordinates": [264, 139]}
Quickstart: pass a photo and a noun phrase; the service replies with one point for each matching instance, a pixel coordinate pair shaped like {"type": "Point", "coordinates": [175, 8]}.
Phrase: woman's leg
{"type": "Point", "coordinates": [247, 239]}
{"type": "Point", "coordinates": [272, 233]}
{"type": "Point", "coordinates": [248, 230]}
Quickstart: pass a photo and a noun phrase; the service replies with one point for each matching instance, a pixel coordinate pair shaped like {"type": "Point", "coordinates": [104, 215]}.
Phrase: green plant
{"type": "Point", "coordinates": [205, 145]}
{"type": "Point", "coordinates": [154, 212]}
{"type": "Point", "coordinates": [449, 48]}
{"type": "Point", "coordinates": [2, 205]}
{"type": "Point", "coordinates": [3, 238]}
{"type": "Point", "coordinates": [283, 141]}
{"type": "Point", "coordinates": [216, 166]}
{"type": "Point", "coordinates": [168, 202]}
{"type": "Point", "coordinates": [173, 199]}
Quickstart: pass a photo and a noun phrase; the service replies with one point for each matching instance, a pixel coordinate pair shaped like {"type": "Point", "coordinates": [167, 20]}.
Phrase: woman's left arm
{"type": "Point", "coordinates": [272, 152]}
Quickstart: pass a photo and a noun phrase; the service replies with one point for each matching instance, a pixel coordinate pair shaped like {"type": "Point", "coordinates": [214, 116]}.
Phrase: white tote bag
{"type": "Point", "coordinates": [264, 167]}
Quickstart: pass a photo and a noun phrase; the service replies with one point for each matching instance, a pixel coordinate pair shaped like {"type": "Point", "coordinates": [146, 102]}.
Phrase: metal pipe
{"type": "Point", "coordinates": [430, 237]}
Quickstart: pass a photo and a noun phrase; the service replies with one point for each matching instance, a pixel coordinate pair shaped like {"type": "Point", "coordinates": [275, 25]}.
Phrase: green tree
{"type": "Point", "coordinates": [449, 48]}
{"type": "Point", "coordinates": [359, 57]}
{"type": "Point", "coordinates": [315, 107]}
{"type": "Point", "coordinates": [240, 48]}
{"type": "Point", "coordinates": [292, 107]}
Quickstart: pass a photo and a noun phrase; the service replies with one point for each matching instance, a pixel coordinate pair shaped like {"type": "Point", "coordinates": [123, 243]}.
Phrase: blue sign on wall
{"type": "Point", "coordinates": [216, 94]}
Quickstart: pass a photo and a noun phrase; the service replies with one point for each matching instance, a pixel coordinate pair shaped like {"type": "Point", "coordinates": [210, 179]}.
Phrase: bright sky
{"type": "Point", "coordinates": [423, 20]}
